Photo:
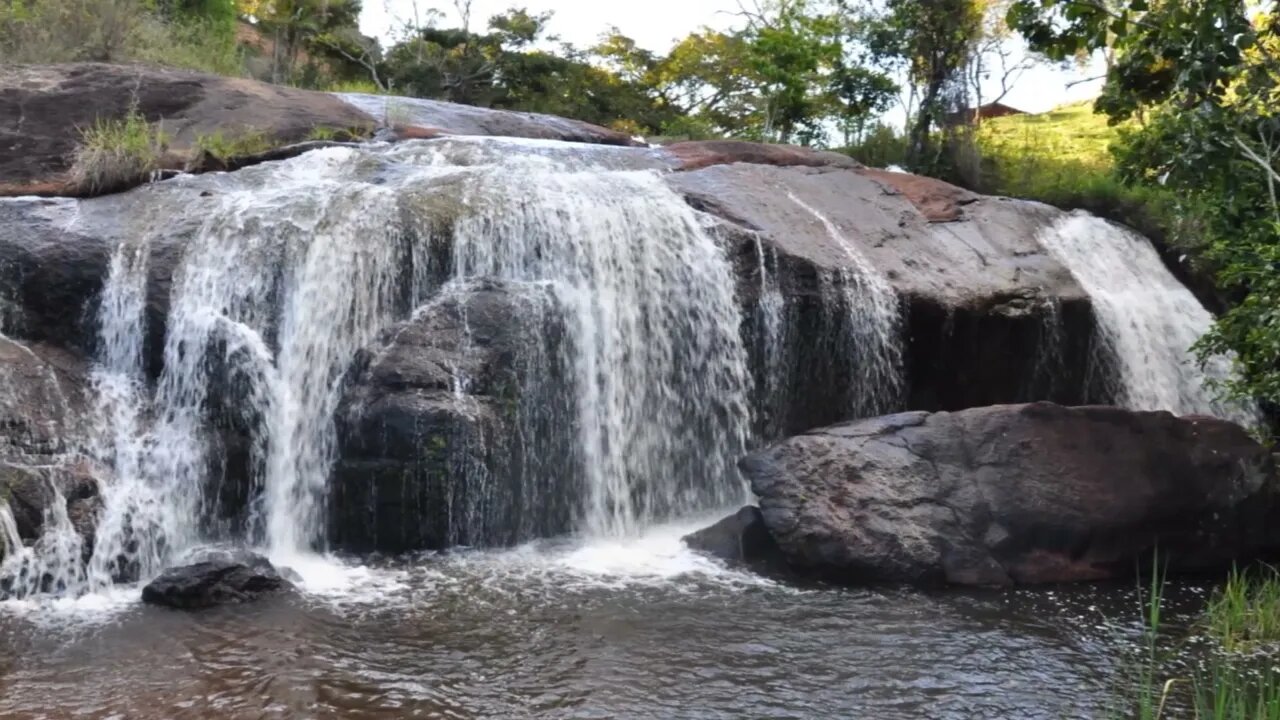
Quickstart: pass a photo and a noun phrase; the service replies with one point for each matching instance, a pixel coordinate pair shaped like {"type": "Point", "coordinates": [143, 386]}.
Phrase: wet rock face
{"type": "Point", "coordinates": [985, 314]}
{"type": "Point", "coordinates": [435, 429]}
{"type": "Point", "coordinates": [222, 579]}
{"type": "Point", "coordinates": [740, 539]}
{"type": "Point", "coordinates": [1017, 494]}
{"type": "Point", "coordinates": [42, 408]}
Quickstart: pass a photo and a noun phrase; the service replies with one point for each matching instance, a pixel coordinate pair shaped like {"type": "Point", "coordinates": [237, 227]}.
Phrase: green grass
{"type": "Point", "coordinates": [1071, 134]}
{"type": "Point", "coordinates": [1230, 679]}
{"type": "Point", "coordinates": [224, 146]}
{"type": "Point", "coordinates": [116, 153]}
{"type": "Point", "coordinates": [1245, 613]}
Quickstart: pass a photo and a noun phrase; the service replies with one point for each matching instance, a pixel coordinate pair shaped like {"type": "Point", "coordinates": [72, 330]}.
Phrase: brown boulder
{"type": "Point", "coordinates": [1017, 494]}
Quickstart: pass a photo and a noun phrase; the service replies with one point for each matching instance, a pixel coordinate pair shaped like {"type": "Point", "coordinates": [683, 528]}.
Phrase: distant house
{"type": "Point", "coordinates": [985, 112]}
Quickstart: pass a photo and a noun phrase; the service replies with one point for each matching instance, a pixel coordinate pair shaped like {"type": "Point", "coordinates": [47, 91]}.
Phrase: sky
{"type": "Point", "coordinates": [657, 24]}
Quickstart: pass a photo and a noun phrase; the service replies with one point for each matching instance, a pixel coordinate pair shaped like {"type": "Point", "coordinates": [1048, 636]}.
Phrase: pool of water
{"type": "Point", "coordinates": [571, 629]}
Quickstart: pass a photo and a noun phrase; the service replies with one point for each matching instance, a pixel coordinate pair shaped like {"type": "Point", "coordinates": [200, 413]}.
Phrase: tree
{"type": "Point", "coordinates": [933, 40]}
{"type": "Point", "coordinates": [993, 58]}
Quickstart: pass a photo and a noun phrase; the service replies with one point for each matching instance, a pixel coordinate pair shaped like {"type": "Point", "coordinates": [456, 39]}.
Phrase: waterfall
{"type": "Point", "coordinates": [864, 321]}
{"type": "Point", "coordinates": [1147, 320]}
{"type": "Point", "coordinates": [297, 266]}
{"type": "Point", "coordinates": [658, 367]}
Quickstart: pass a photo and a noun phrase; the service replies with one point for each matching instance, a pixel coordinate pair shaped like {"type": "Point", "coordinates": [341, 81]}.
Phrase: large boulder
{"type": "Point", "coordinates": [221, 579]}
{"type": "Point", "coordinates": [1017, 494]}
{"type": "Point", "coordinates": [740, 539]}
{"type": "Point", "coordinates": [435, 428]}
{"type": "Point", "coordinates": [985, 314]}
{"type": "Point", "coordinates": [44, 108]}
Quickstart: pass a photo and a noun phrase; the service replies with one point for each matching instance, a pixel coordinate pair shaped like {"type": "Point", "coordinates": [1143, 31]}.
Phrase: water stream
{"type": "Point", "coordinates": [1146, 319]}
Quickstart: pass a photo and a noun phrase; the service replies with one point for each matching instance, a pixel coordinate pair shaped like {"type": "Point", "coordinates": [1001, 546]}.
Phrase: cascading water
{"type": "Point", "coordinates": [658, 367]}
{"type": "Point", "coordinates": [1147, 320]}
{"type": "Point", "coordinates": [300, 264]}
{"type": "Point", "coordinates": [866, 324]}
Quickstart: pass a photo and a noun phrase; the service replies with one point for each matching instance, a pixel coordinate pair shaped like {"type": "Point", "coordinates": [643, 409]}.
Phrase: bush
{"type": "Point", "coordinates": [38, 32]}
{"type": "Point", "coordinates": [117, 153]}
{"type": "Point", "coordinates": [883, 146]}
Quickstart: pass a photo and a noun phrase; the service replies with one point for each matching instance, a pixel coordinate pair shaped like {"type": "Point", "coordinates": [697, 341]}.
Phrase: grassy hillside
{"type": "Point", "coordinates": [1062, 157]}
{"type": "Point", "coordinates": [1026, 153]}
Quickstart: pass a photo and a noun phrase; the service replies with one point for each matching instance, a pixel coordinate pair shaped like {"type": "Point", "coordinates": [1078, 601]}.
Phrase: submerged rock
{"type": "Point", "coordinates": [222, 579]}
{"type": "Point", "coordinates": [1017, 494]}
{"type": "Point", "coordinates": [740, 539]}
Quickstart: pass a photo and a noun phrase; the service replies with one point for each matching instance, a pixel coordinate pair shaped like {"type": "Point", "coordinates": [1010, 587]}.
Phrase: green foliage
{"type": "Point", "coordinates": [116, 153]}
{"type": "Point", "coordinates": [115, 31]}
{"type": "Point", "coordinates": [1204, 77]}
{"type": "Point", "coordinates": [881, 146]}
{"type": "Point", "coordinates": [223, 146]}
{"type": "Point", "coordinates": [932, 40]}
{"type": "Point", "coordinates": [323, 134]}
{"type": "Point", "coordinates": [1245, 612]}
{"type": "Point", "coordinates": [1222, 684]}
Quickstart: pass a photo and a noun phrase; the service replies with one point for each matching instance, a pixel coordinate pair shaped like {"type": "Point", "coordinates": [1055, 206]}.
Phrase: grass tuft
{"type": "Point", "coordinates": [1244, 614]}
{"type": "Point", "coordinates": [117, 153]}
{"type": "Point", "coordinates": [224, 146]}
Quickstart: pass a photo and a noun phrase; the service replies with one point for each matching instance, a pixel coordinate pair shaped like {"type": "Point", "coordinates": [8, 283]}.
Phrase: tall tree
{"type": "Point", "coordinates": [933, 40]}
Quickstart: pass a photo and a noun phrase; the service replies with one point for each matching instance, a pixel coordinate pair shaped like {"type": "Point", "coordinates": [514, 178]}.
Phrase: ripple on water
{"type": "Point", "coordinates": [569, 629]}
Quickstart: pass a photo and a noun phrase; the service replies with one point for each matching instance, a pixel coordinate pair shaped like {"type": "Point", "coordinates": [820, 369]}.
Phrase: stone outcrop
{"type": "Point", "coordinates": [740, 539]}
{"type": "Point", "coordinates": [985, 314]}
{"type": "Point", "coordinates": [42, 431]}
{"type": "Point", "coordinates": [433, 437]}
{"type": "Point", "coordinates": [1017, 494]}
{"type": "Point", "coordinates": [411, 118]}
{"type": "Point", "coordinates": [988, 315]}
{"type": "Point", "coordinates": [44, 108]}
{"type": "Point", "coordinates": [223, 578]}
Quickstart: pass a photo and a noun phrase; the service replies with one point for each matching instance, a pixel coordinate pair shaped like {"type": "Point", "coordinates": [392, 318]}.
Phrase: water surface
{"type": "Point", "coordinates": [641, 629]}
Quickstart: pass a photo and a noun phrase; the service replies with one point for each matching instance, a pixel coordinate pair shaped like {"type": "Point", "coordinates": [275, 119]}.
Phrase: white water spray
{"type": "Point", "coordinates": [1146, 318]}
{"type": "Point", "coordinates": [658, 367]}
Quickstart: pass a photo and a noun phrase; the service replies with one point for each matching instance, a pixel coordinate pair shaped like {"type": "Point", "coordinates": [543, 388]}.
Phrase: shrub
{"type": "Point", "coordinates": [38, 31]}
{"type": "Point", "coordinates": [117, 153]}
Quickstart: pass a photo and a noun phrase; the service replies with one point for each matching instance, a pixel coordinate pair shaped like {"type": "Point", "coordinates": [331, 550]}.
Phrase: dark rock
{"type": "Point", "coordinates": [220, 580]}
{"type": "Point", "coordinates": [1017, 494]}
{"type": "Point", "coordinates": [42, 430]}
{"type": "Point", "coordinates": [740, 539]}
{"type": "Point", "coordinates": [43, 108]}
{"type": "Point", "coordinates": [436, 431]}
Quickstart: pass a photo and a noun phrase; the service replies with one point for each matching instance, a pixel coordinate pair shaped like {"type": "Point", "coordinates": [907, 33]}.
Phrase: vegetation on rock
{"type": "Point", "coordinates": [117, 153]}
